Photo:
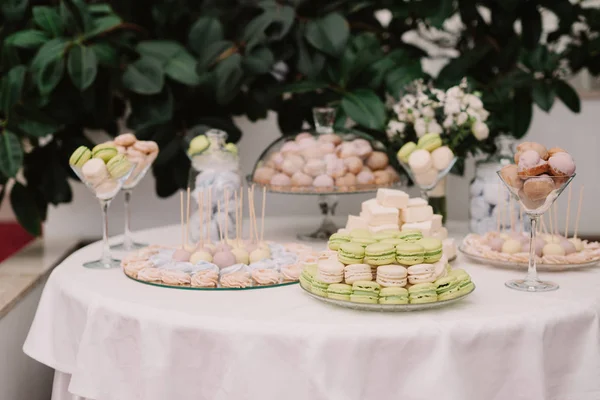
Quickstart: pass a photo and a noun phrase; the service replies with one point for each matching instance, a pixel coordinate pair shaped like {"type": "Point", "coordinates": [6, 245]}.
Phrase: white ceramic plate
{"type": "Point", "coordinates": [386, 307]}
{"type": "Point", "coordinates": [523, 266]}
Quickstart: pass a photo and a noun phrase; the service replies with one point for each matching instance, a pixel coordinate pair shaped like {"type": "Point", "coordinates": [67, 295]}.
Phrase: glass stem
{"type": "Point", "coordinates": [532, 268]}
{"type": "Point", "coordinates": [127, 239]}
{"type": "Point", "coordinates": [425, 195]}
{"type": "Point", "coordinates": [106, 258]}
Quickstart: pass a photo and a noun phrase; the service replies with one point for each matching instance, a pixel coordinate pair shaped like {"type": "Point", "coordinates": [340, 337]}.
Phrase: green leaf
{"type": "Point", "coordinates": [229, 76]}
{"type": "Point", "coordinates": [37, 128]}
{"type": "Point", "coordinates": [205, 31]}
{"type": "Point", "coordinates": [522, 113]}
{"type": "Point", "coordinates": [105, 53]}
{"type": "Point", "coordinates": [50, 51]}
{"type": "Point", "coordinates": [48, 77]}
{"type": "Point", "coordinates": [211, 53]}
{"type": "Point", "coordinates": [144, 76]}
{"type": "Point", "coordinates": [11, 154]}
{"type": "Point", "coordinates": [159, 50]}
{"type": "Point", "coordinates": [531, 20]}
{"type": "Point", "coordinates": [48, 19]}
{"type": "Point", "coordinates": [104, 24]}
{"type": "Point", "coordinates": [149, 111]}
{"type": "Point", "coordinates": [25, 209]}
{"type": "Point", "coordinates": [364, 107]}
{"type": "Point", "coordinates": [328, 34]}
{"type": "Point", "coordinates": [309, 62]}
{"type": "Point", "coordinates": [254, 32]}
{"type": "Point", "coordinates": [259, 61]}
{"type": "Point", "coordinates": [12, 86]}
{"type": "Point", "coordinates": [182, 68]}
{"type": "Point", "coordinates": [82, 66]}
{"type": "Point", "coordinates": [302, 87]}
{"type": "Point", "coordinates": [543, 95]}
{"type": "Point", "coordinates": [80, 13]}
{"type": "Point", "coordinates": [567, 95]}
{"type": "Point", "coordinates": [100, 8]}
{"type": "Point", "coordinates": [27, 39]}
{"type": "Point", "coordinates": [14, 10]}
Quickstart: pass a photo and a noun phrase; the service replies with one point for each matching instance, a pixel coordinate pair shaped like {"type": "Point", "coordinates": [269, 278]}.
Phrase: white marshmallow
{"type": "Point", "coordinates": [383, 215]}
{"type": "Point", "coordinates": [424, 227]}
{"type": "Point", "coordinates": [416, 202]}
{"type": "Point", "coordinates": [392, 198]}
{"type": "Point", "coordinates": [417, 214]}
{"type": "Point", "coordinates": [426, 178]}
{"type": "Point", "coordinates": [441, 233]}
{"type": "Point", "coordinates": [386, 227]}
{"type": "Point", "coordinates": [366, 206]}
{"type": "Point", "coordinates": [436, 222]}
{"type": "Point", "coordinates": [355, 222]}
{"type": "Point", "coordinates": [449, 248]}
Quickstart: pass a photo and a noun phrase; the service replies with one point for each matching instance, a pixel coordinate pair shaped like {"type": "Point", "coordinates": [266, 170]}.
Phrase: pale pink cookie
{"type": "Point", "coordinates": [264, 175]}
{"type": "Point", "coordinates": [330, 138]}
{"type": "Point", "coordinates": [125, 140]}
{"type": "Point", "coordinates": [121, 149]}
{"type": "Point", "coordinates": [336, 168]}
{"type": "Point", "coordinates": [303, 135]}
{"type": "Point", "coordinates": [346, 150]}
{"type": "Point", "coordinates": [354, 164]}
{"type": "Point", "coordinates": [314, 167]}
{"type": "Point", "coordinates": [289, 147]}
{"type": "Point", "coordinates": [365, 177]}
{"type": "Point", "coordinates": [382, 178]}
{"type": "Point", "coordinates": [135, 155]}
{"type": "Point", "coordinates": [323, 181]}
{"type": "Point", "coordinates": [281, 180]}
{"type": "Point", "coordinates": [377, 160]}
{"type": "Point", "coordinates": [301, 179]}
{"type": "Point", "coordinates": [146, 146]}
{"type": "Point", "coordinates": [292, 164]}
{"type": "Point", "coordinates": [363, 148]}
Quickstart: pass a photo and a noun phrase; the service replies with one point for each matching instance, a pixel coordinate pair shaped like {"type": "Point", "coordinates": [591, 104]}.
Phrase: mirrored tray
{"type": "Point", "coordinates": [523, 266]}
{"type": "Point", "coordinates": [217, 289]}
{"type": "Point", "coordinates": [386, 307]}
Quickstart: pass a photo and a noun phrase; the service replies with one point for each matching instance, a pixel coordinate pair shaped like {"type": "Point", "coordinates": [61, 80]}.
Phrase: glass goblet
{"type": "Point", "coordinates": [428, 180]}
{"type": "Point", "coordinates": [105, 188]}
{"type": "Point", "coordinates": [138, 173]}
{"type": "Point", "coordinates": [536, 195]}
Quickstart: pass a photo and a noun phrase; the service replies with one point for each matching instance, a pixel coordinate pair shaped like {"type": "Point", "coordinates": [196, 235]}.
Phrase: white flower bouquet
{"type": "Point", "coordinates": [457, 115]}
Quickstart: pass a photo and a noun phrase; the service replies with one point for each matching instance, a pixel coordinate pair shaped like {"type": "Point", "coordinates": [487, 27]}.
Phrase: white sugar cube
{"type": "Point", "coordinates": [392, 198]}
{"type": "Point", "coordinates": [366, 206]}
{"type": "Point", "coordinates": [436, 222]}
{"type": "Point", "coordinates": [383, 215]}
{"type": "Point", "coordinates": [417, 214]}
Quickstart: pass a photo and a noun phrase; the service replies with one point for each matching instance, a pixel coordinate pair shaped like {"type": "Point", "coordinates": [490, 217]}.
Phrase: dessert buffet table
{"type": "Point", "coordinates": [111, 338]}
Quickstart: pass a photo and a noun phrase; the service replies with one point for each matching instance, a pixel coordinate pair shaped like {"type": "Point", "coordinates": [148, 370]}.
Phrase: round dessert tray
{"type": "Point", "coordinates": [215, 289]}
{"type": "Point", "coordinates": [523, 265]}
{"type": "Point", "coordinates": [387, 307]}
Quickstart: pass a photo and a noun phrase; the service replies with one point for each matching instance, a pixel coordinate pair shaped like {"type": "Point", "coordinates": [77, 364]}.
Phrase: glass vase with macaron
{"type": "Point", "coordinates": [426, 162]}
{"type": "Point", "coordinates": [103, 171]}
{"type": "Point", "coordinates": [142, 153]}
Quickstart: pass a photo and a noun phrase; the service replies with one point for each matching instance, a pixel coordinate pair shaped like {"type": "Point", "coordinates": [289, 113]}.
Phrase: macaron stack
{"type": "Point", "coordinates": [101, 168]}
{"type": "Point", "coordinates": [426, 158]}
{"type": "Point", "coordinates": [538, 172]}
{"type": "Point", "coordinates": [391, 211]}
{"type": "Point", "coordinates": [324, 162]}
{"type": "Point", "coordinates": [389, 267]}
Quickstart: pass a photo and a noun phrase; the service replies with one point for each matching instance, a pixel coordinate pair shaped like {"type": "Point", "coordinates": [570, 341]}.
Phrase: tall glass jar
{"type": "Point", "coordinates": [490, 206]}
{"type": "Point", "coordinates": [215, 170]}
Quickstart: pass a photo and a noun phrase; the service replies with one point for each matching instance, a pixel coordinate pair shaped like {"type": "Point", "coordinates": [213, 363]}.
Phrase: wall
{"type": "Point", "coordinates": [577, 133]}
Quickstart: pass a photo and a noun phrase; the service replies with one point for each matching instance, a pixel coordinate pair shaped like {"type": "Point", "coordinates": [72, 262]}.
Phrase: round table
{"type": "Point", "coordinates": [111, 338]}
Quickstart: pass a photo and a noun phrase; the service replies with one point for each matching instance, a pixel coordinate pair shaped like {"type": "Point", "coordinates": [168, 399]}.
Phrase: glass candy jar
{"type": "Point", "coordinates": [215, 182]}
{"type": "Point", "coordinates": [490, 206]}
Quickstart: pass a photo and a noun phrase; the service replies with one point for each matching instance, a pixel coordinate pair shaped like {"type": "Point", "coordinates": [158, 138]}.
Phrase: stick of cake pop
{"type": "Point", "coordinates": [249, 217]}
{"type": "Point", "coordinates": [498, 210]}
{"type": "Point", "coordinates": [254, 224]}
{"type": "Point", "coordinates": [226, 215]}
{"type": "Point", "coordinates": [568, 212]}
{"type": "Point", "coordinates": [219, 221]}
{"type": "Point", "coordinates": [242, 213]}
{"type": "Point", "coordinates": [578, 212]}
{"type": "Point", "coordinates": [543, 224]}
{"type": "Point", "coordinates": [550, 222]}
{"type": "Point", "coordinates": [521, 218]}
{"type": "Point", "coordinates": [187, 217]}
{"type": "Point", "coordinates": [181, 212]}
{"type": "Point", "coordinates": [556, 230]}
{"type": "Point", "coordinates": [510, 210]}
{"type": "Point", "coordinates": [262, 223]}
{"type": "Point", "coordinates": [201, 214]}
{"type": "Point", "coordinates": [209, 216]}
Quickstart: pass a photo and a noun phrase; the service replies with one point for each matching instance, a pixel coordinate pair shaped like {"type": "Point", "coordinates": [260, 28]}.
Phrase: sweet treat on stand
{"type": "Point", "coordinates": [323, 162]}
{"type": "Point", "coordinates": [232, 262]}
{"type": "Point", "coordinates": [426, 159]}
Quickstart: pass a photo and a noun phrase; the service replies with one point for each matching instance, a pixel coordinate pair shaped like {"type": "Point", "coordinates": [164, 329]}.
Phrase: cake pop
{"type": "Point", "coordinates": [200, 256]}
{"type": "Point", "coordinates": [241, 255]}
{"type": "Point", "coordinates": [496, 244]}
{"type": "Point", "coordinates": [223, 247]}
{"type": "Point", "coordinates": [538, 247]}
{"type": "Point", "coordinates": [208, 247]}
{"type": "Point", "coordinates": [181, 255]}
{"type": "Point", "coordinates": [224, 259]}
{"type": "Point", "coordinates": [567, 246]}
{"type": "Point", "coordinates": [511, 246]}
{"type": "Point", "coordinates": [578, 243]}
{"type": "Point", "coordinates": [259, 254]}
{"type": "Point", "coordinates": [553, 249]}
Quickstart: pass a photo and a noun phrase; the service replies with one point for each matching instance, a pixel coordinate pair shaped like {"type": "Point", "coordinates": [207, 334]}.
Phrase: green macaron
{"type": "Point", "coordinates": [422, 293]}
{"type": "Point", "coordinates": [351, 253]}
{"type": "Point", "coordinates": [433, 249]}
{"type": "Point", "coordinates": [360, 233]}
{"type": "Point", "coordinates": [446, 284]}
{"type": "Point", "coordinates": [336, 239]}
{"type": "Point", "coordinates": [80, 156]}
{"type": "Point", "coordinates": [232, 148]}
{"type": "Point", "coordinates": [364, 241]}
{"type": "Point", "coordinates": [118, 166]}
{"type": "Point", "coordinates": [365, 292]}
{"type": "Point", "coordinates": [198, 145]}
{"type": "Point", "coordinates": [393, 295]}
{"type": "Point", "coordinates": [405, 151]}
{"type": "Point", "coordinates": [464, 280]}
{"type": "Point", "coordinates": [410, 235]}
{"type": "Point", "coordinates": [409, 253]}
{"type": "Point", "coordinates": [379, 236]}
{"type": "Point", "coordinates": [394, 241]}
{"type": "Point", "coordinates": [306, 277]}
{"type": "Point", "coordinates": [319, 288]}
{"type": "Point", "coordinates": [339, 291]}
{"type": "Point", "coordinates": [104, 151]}
{"type": "Point", "coordinates": [380, 254]}
{"type": "Point", "coordinates": [430, 142]}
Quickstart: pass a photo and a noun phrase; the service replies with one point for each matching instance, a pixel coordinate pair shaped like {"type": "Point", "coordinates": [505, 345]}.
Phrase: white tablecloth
{"type": "Point", "coordinates": [117, 339]}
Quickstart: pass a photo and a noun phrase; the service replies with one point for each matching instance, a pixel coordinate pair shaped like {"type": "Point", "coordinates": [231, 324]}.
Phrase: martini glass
{"type": "Point", "coordinates": [138, 173]}
{"type": "Point", "coordinates": [427, 181]}
{"type": "Point", "coordinates": [536, 195]}
{"type": "Point", "coordinates": [105, 191]}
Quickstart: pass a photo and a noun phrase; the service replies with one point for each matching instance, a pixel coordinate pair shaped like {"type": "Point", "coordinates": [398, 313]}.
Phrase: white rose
{"type": "Point", "coordinates": [452, 106]}
{"type": "Point", "coordinates": [448, 122]}
{"type": "Point", "coordinates": [420, 127]}
{"type": "Point", "coordinates": [473, 101]}
{"type": "Point", "coordinates": [480, 130]}
{"type": "Point", "coordinates": [483, 114]}
{"type": "Point", "coordinates": [428, 112]}
{"type": "Point", "coordinates": [461, 118]}
{"type": "Point", "coordinates": [394, 128]}
{"type": "Point", "coordinates": [434, 127]}
{"type": "Point", "coordinates": [455, 92]}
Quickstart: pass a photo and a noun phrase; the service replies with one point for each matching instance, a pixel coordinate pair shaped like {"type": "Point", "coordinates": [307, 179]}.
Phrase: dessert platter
{"type": "Point", "coordinates": [230, 263]}
{"type": "Point", "coordinates": [393, 210]}
{"type": "Point", "coordinates": [376, 264]}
